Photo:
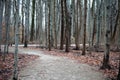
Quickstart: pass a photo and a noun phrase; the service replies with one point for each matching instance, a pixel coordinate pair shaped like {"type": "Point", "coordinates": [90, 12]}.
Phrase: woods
{"type": "Point", "coordinates": [89, 25]}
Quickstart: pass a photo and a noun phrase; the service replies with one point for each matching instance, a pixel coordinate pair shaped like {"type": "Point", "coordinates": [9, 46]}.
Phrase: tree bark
{"type": "Point", "coordinates": [62, 26]}
{"type": "Point", "coordinates": [67, 26]}
{"type": "Point", "coordinates": [49, 26]}
{"type": "Point", "coordinates": [26, 23]}
{"type": "Point", "coordinates": [107, 44]}
{"type": "Point", "coordinates": [15, 72]}
{"type": "Point", "coordinates": [77, 32]}
{"type": "Point", "coordinates": [7, 25]}
{"type": "Point", "coordinates": [32, 24]}
{"type": "Point", "coordinates": [118, 77]}
{"type": "Point", "coordinates": [1, 18]}
{"type": "Point", "coordinates": [85, 20]}
{"type": "Point", "coordinates": [54, 24]}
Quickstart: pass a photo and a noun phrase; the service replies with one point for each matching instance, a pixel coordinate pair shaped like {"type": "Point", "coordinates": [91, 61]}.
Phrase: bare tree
{"type": "Point", "coordinates": [7, 24]}
{"type": "Point", "coordinates": [85, 20]}
{"type": "Point", "coordinates": [32, 22]}
{"type": "Point", "coordinates": [62, 26]}
{"type": "Point", "coordinates": [26, 22]}
{"type": "Point", "coordinates": [107, 35]}
{"type": "Point", "coordinates": [15, 72]}
{"type": "Point", "coordinates": [1, 18]}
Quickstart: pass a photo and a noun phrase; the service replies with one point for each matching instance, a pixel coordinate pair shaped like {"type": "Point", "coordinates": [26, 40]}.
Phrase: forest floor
{"type": "Point", "coordinates": [94, 59]}
{"type": "Point", "coordinates": [6, 67]}
{"type": "Point", "coordinates": [50, 67]}
{"type": "Point", "coordinates": [58, 65]}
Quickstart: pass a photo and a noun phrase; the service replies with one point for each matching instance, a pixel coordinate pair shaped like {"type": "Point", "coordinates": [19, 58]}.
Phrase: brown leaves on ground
{"type": "Point", "coordinates": [6, 67]}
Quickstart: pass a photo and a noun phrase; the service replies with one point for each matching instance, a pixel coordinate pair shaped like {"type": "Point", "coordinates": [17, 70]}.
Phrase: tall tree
{"type": "Point", "coordinates": [40, 23]}
{"type": "Point", "coordinates": [67, 25]}
{"type": "Point", "coordinates": [1, 18]}
{"type": "Point", "coordinates": [46, 23]}
{"type": "Point", "coordinates": [93, 13]}
{"type": "Point", "coordinates": [85, 20]}
{"type": "Point", "coordinates": [32, 22]}
{"type": "Point", "coordinates": [15, 72]}
{"type": "Point", "coordinates": [62, 26]}
{"type": "Point", "coordinates": [54, 23]}
{"type": "Point", "coordinates": [107, 35]}
{"type": "Point", "coordinates": [26, 22]}
{"type": "Point", "coordinates": [78, 24]}
{"type": "Point", "coordinates": [118, 77]}
{"type": "Point", "coordinates": [23, 12]}
{"type": "Point", "coordinates": [7, 25]}
{"type": "Point", "coordinates": [49, 25]}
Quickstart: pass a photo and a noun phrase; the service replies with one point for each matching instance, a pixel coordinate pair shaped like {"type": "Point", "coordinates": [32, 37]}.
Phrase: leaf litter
{"type": "Point", "coordinates": [6, 67]}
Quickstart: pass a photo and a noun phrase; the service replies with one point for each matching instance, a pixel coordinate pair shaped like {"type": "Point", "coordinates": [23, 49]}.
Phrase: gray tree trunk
{"type": "Point", "coordinates": [118, 77]}
{"type": "Point", "coordinates": [62, 26]}
{"type": "Point", "coordinates": [46, 24]}
{"type": "Point", "coordinates": [26, 22]}
{"type": "Point", "coordinates": [32, 21]}
{"type": "Point", "coordinates": [15, 72]}
{"type": "Point", "coordinates": [7, 24]}
{"type": "Point", "coordinates": [85, 20]}
{"type": "Point", "coordinates": [107, 35]}
{"type": "Point", "coordinates": [23, 15]}
{"type": "Point", "coordinates": [49, 25]}
{"type": "Point", "coordinates": [1, 18]}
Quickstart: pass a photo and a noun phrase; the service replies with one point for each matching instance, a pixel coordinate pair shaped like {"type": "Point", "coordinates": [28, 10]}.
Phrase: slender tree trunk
{"type": "Point", "coordinates": [118, 77]}
{"type": "Point", "coordinates": [99, 6]}
{"type": "Point", "coordinates": [94, 31]}
{"type": "Point", "coordinates": [62, 26]}
{"type": "Point", "coordinates": [49, 26]}
{"type": "Point", "coordinates": [15, 72]}
{"type": "Point", "coordinates": [23, 4]}
{"type": "Point", "coordinates": [85, 20]}
{"type": "Point", "coordinates": [94, 22]}
{"type": "Point", "coordinates": [1, 18]}
{"type": "Point", "coordinates": [41, 28]}
{"type": "Point", "coordinates": [76, 28]}
{"type": "Point", "coordinates": [54, 24]}
{"type": "Point", "coordinates": [32, 24]}
{"type": "Point", "coordinates": [67, 26]}
{"type": "Point", "coordinates": [26, 22]}
{"type": "Point", "coordinates": [107, 35]}
{"type": "Point", "coordinates": [7, 25]}
{"type": "Point", "coordinates": [46, 24]}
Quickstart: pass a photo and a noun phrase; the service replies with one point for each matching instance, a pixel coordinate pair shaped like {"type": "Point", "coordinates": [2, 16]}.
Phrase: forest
{"type": "Point", "coordinates": [87, 31]}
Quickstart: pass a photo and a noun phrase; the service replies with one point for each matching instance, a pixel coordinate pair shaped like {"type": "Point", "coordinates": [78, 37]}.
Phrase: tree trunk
{"type": "Point", "coordinates": [7, 25]}
{"type": "Point", "coordinates": [49, 26]}
{"type": "Point", "coordinates": [67, 26]}
{"type": "Point", "coordinates": [107, 44]}
{"type": "Point", "coordinates": [15, 72]}
{"type": "Point", "coordinates": [32, 24]}
{"type": "Point", "coordinates": [85, 20]}
{"type": "Point", "coordinates": [1, 18]}
{"type": "Point", "coordinates": [22, 10]}
{"type": "Point", "coordinates": [26, 22]}
{"type": "Point", "coordinates": [118, 77]}
{"type": "Point", "coordinates": [77, 32]}
{"type": "Point", "coordinates": [62, 26]}
{"type": "Point", "coordinates": [54, 24]}
{"type": "Point", "coordinates": [46, 24]}
{"type": "Point", "coordinates": [94, 22]}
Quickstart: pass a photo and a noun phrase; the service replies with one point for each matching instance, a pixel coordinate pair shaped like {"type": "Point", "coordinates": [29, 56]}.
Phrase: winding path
{"type": "Point", "coordinates": [48, 67]}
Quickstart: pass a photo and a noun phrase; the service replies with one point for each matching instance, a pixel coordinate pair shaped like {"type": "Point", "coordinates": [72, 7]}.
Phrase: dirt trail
{"type": "Point", "coordinates": [48, 67]}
